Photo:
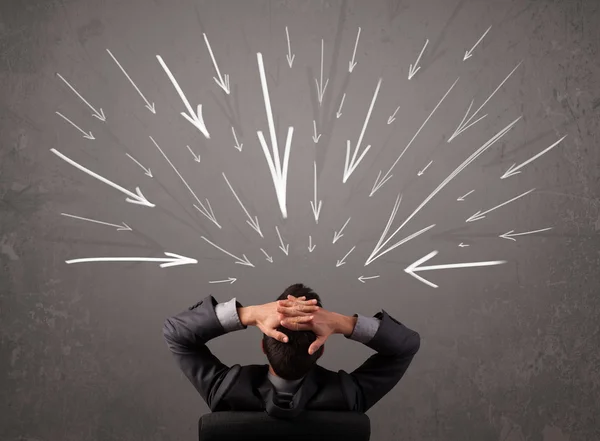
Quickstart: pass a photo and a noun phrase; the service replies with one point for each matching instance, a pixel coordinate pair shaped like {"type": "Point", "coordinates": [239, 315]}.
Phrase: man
{"type": "Point", "coordinates": [295, 327]}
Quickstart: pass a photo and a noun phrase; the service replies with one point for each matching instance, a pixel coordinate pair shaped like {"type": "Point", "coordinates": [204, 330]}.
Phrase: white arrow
{"type": "Point", "coordinates": [467, 123]}
{"type": "Point", "coordinates": [206, 212]}
{"type": "Point", "coordinates": [223, 83]}
{"type": "Point", "coordinates": [461, 167]}
{"type": "Point", "coordinates": [468, 54]}
{"type": "Point", "coordinates": [316, 207]}
{"type": "Point", "coordinates": [420, 173]}
{"type": "Point", "coordinates": [269, 258]}
{"type": "Point", "coordinates": [479, 215]}
{"type": "Point", "coordinates": [279, 176]}
{"type": "Point", "coordinates": [99, 115]}
{"type": "Point", "coordinates": [147, 171]}
{"type": "Point", "coordinates": [237, 144]}
{"type": "Point", "coordinates": [413, 268]}
{"type": "Point", "coordinates": [339, 112]}
{"type": "Point", "coordinates": [196, 157]}
{"type": "Point", "coordinates": [337, 235]}
{"type": "Point", "coordinates": [243, 261]}
{"type": "Point", "coordinates": [315, 137]}
{"type": "Point", "coordinates": [194, 118]}
{"type": "Point", "coordinates": [172, 259]}
{"type": "Point", "coordinates": [511, 234]}
{"type": "Point", "coordinates": [133, 198]}
{"type": "Point", "coordinates": [149, 106]}
{"type": "Point", "coordinates": [378, 184]}
{"type": "Point", "coordinates": [87, 135]}
{"type": "Point", "coordinates": [350, 166]}
{"type": "Point", "coordinates": [462, 245]}
{"type": "Point", "coordinates": [284, 248]}
{"type": "Point", "coordinates": [341, 262]}
{"type": "Point", "coordinates": [462, 198]}
{"type": "Point", "coordinates": [516, 170]}
{"type": "Point", "coordinates": [392, 118]}
{"type": "Point", "coordinates": [229, 279]}
{"type": "Point", "coordinates": [122, 227]}
{"type": "Point", "coordinates": [320, 87]}
{"type": "Point", "coordinates": [290, 57]}
{"type": "Point", "coordinates": [252, 222]}
{"type": "Point", "coordinates": [311, 247]}
{"type": "Point", "coordinates": [352, 63]}
{"type": "Point", "coordinates": [363, 278]}
{"type": "Point", "coordinates": [414, 69]}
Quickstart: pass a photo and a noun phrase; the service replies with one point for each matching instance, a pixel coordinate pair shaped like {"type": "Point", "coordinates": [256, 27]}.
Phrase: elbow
{"type": "Point", "coordinates": [168, 330]}
{"type": "Point", "coordinates": [414, 343]}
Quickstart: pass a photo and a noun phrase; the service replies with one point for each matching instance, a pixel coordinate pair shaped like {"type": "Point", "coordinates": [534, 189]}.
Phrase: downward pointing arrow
{"type": "Point", "coordinates": [243, 261]}
{"type": "Point", "coordinates": [149, 106]}
{"type": "Point", "coordinates": [252, 222]}
{"type": "Point", "coordinates": [414, 69]}
{"type": "Point", "coordinates": [283, 248]}
{"type": "Point", "coordinates": [289, 56]}
{"type": "Point", "coordinates": [311, 247]}
{"type": "Point", "coordinates": [147, 171]}
{"type": "Point", "coordinates": [237, 144]}
{"type": "Point", "coordinates": [97, 114]}
{"type": "Point", "coordinates": [196, 157]}
{"type": "Point", "coordinates": [468, 53]}
{"type": "Point", "coordinates": [316, 207]}
{"type": "Point", "coordinates": [339, 234]}
{"type": "Point", "coordinates": [339, 112]}
{"type": "Point", "coordinates": [87, 135]}
{"type": "Point", "coordinates": [462, 198]}
{"type": "Point", "coordinates": [515, 170]}
{"type": "Point", "coordinates": [269, 258]}
{"type": "Point", "coordinates": [420, 173]}
{"type": "Point", "coordinates": [352, 63]}
{"type": "Point", "coordinates": [342, 262]}
{"type": "Point", "coordinates": [315, 138]}
{"type": "Point", "coordinates": [392, 118]}
{"type": "Point", "coordinates": [223, 83]}
{"type": "Point", "coordinates": [320, 87]}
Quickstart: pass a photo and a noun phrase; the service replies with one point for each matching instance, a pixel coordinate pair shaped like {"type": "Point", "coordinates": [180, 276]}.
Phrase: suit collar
{"type": "Point", "coordinates": [304, 393]}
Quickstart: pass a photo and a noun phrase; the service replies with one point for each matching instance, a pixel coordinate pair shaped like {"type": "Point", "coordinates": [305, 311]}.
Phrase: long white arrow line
{"type": "Point", "coordinates": [252, 222]}
{"type": "Point", "coordinates": [311, 247]}
{"type": "Point", "coordinates": [350, 166]}
{"type": "Point", "coordinates": [392, 118]}
{"type": "Point", "coordinates": [209, 214]}
{"type": "Point", "coordinates": [339, 112]}
{"type": "Point", "coordinates": [363, 278]}
{"type": "Point", "coordinates": [420, 173]}
{"type": "Point", "coordinates": [237, 144]}
{"type": "Point", "coordinates": [172, 259]}
{"type": "Point", "coordinates": [99, 115]}
{"type": "Point", "coordinates": [147, 171]}
{"type": "Point", "coordinates": [378, 184]}
{"type": "Point", "coordinates": [352, 63]}
{"type": "Point", "coordinates": [516, 170]}
{"type": "Point", "coordinates": [196, 157]}
{"type": "Point", "coordinates": [279, 176]}
{"type": "Point", "coordinates": [229, 279]}
{"type": "Point", "coordinates": [223, 83]}
{"type": "Point", "coordinates": [337, 235]}
{"type": "Point", "coordinates": [269, 258]}
{"type": "Point", "coordinates": [149, 106]}
{"type": "Point", "coordinates": [413, 268]}
{"type": "Point", "coordinates": [195, 118]}
{"type": "Point", "coordinates": [315, 137]}
{"type": "Point", "coordinates": [511, 234]}
{"type": "Point", "coordinates": [284, 248]}
{"type": "Point", "coordinates": [462, 198]}
{"type": "Point", "coordinates": [290, 57]}
{"type": "Point", "coordinates": [122, 227]}
{"type": "Point", "coordinates": [480, 215]}
{"type": "Point", "coordinates": [461, 167]}
{"type": "Point", "coordinates": [133, 198]}
{"type": "Point", "coordinates": [341, 262]}
{"type": "Point", "coordinates": [87, 135]}
{"type": "Point", "coordinates": [320, 87]}
{"type": "Point", "coordinates": [316, 206]}
{"type": "Point", "coordinates": [468, 54]}
{"type": "Point", "coordinates": [414, 69]}
{"type": "Point", "coordinates": [467, 123]}
{"type": "Point", "coordinates": [243, 261]}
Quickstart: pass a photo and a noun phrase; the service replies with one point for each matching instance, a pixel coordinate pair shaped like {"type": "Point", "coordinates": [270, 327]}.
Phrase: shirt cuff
{"type": "Point", "coordinates": [365, 328]}
{"type": "Point", "coordinates": [228, 316]}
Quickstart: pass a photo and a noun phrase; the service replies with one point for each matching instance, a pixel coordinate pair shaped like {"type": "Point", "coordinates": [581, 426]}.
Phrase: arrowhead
{"type": "Point", "coordinates": [285, 249]}
{"type": "Point", "coordinates": [411, 72]}
{"type": "Point", "coordinates": [338, 114]}
{"type": "Point", "coordinates": [310, 250]}
{"type": "Point", "coordinates": [336, 237]}
{"type": "Point", "coordinates": [197, 158]}
{"type": "Point", "coordinates": [239, 147]}
{"type": "Point", "coordinates": [361, 279]}
{"type": "Point", "coordinates": [151, 108]}
{"type": "Point", "coordinates": [245, 261]}
{"type": "Point", "coordinates": [316, 139]}
{"type": "Point", "coordinates": [507, 235]}
{"type": "Point", "coordinates": [177, 260]}
{"type": "Point", "coordinates": [270, 259]}
{"type": "Point", "coordinates": [420, 173]}
{"type": "Point", "coordinates": [351, 66]}
{"type": "Point", "coordinates": [391, 120]}
{"type": "Point", "coordinates": [89, 136]}
{"type": "Point", "coordinates": [198, 121]}
{"type": "Point", "coordinates": [467, 55]}
{"type": "Point", "coordinates": [290, 59]}
{"type": "Point", "coordinates": [232, 279]}
{"type": "Point", "coordinates": [255, 225]}
{"type": "Point", "coordinates": [100, 115]}
{"type": "Point", "coordinates": [148, 173]}
{"type": "Point", "coordinates": [125, 227]}
{"type": "Point", "coordinates": [477, 216]}
{"type": "Point", "coordinates": [339, 263]}
{"type": "Point", "coordinates": [140, 199]}
{"type": "Point", "coordinates": [414, 267]}
{"type": "Point", "coordinates": [510, 172]}
{"type": "Point", "coordinates": [223, 84]}
{"type": "Point", "coordinates": [460, 199]}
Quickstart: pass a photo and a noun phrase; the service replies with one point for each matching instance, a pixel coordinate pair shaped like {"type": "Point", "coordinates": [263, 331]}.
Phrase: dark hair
{"type": "Point", "coordinates": [291, 360]}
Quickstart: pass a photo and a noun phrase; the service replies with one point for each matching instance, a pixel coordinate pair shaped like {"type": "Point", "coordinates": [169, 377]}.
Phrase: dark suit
{"type": "Point", "coordinates": [248, 388]}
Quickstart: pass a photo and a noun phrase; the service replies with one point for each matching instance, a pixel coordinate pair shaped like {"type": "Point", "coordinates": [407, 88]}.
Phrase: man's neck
{"type": "Point", "coordinates": [272, 371]}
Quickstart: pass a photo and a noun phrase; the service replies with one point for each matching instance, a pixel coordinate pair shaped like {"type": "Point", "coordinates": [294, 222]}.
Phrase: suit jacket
{"type": "Point", "coordinates": [247, 388]}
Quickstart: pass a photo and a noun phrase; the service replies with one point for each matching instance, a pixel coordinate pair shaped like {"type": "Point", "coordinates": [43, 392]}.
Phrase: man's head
{"type": "Point", "coordinates": [291, 360]}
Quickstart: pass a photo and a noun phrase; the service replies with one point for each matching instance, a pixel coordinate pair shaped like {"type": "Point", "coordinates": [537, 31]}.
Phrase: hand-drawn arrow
{"type": "Point", "coordinates": [149, 106]}
{"type": "Point", "coordinates": [480, 215]}
{"type": "Point", "coordinates": [252, 222]}
{"type": "Point", "coordinates": [516, 170]}
{"type": "Point", "coordinates": [147, 171]}
{"type": "Point", "coordinates": [122, 227]}
{"type": "Point", "coordinates": [172, 259]}
{"type": "Point", "coordinates": [239, 261]}
{"type": "Point", "coordinates": [320, 87]}
{"type": "Point", "coordinates": [311, 247]}
{"type": "Point", "coordinates": [342, 261]}
{"type": "Point", "coordinates": [337, 235]}
{"type": "Point", "coordinates": [87, 135]}
{"type": "Point", "coordinates": [269, 258]}
{"type": "Point", "coordinates": [511, 234]}
{"type": "Point", "coordinates": [352, 63]}
{"type": "Point", "coordinates": [289, 56]}
{"type": "Point", "coordinates": [414, 69]}
{"type": "Point", "coordinates": [468, 54]}
{"type": "Point", "coordinates": [316, 206]}
{"type": "Point", "coordinates": [97, 114]}
{"type": "Point", "coordinates": [284, 248]}
{"type": "Point", "coordinates": [223, 83]}
{"type": "Point", "coordinates": [363, 278]}
{"type": "Point", "coordinates": [229, 279]}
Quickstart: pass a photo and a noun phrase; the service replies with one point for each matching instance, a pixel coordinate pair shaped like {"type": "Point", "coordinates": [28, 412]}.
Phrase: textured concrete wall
{"type": "Point", "coordinates": [509, 352]}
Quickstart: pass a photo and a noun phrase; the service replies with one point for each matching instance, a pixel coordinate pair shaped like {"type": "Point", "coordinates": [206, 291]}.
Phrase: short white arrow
{"type": "Point", "coordinates": [479, 215]}
{"type": "Point", "coordinates": [392, 118]}
{"type": "Point", "coordinates": [315, 137]}
{"type": "Point", "coordinates": [420, 173]}
{"type": "Point", "coordinates": [284, 248]}
{"type": "Point", "coordinates": [341, 262]}
{"type": "Point", "coordinates": [196, 157]}
{"type": "Point", "coordinates": [195, 118]}
{"type": "Point", "coordinates": [316, 206]}
{"type": "Point", "coordinates": [352, 63]}
{"type": "Point", "coordinates": [133, 198]}
{"type": "Point", "coordinates": [122, 227]}
{"type": "Point", "coordinates": [414, 69]}
{"type": "Point", "coordinates": [337, 235]}
{"type": "Point", "coordinates": [252, 222]}
{"type": "Point", "coordinates": [237, 144]}
{"type": "Point", "coordinates": [511, 234]}
{"type": "Point", "coordinates": [468, 54]}
{"type": "Point", "coordinates": [320, 87]}
{"type": "Point", "coordinates": [339, 112]}
{"type": "Point", "coordinates": [206, 212]}
{"type": "Point", "coordinates": [147, 171]}
{"type": "Point", "coordinates": [413, 268]}
{"type": "Point", "coordinates": [269, 258]}
{"type": "Point", "coordinates": [516, 170]}
{"type": "Point", "coordinates": [97, 114]}
{"type": "Point", "coordinates": [289, 56]}
{"type": "Point", "coordinates": [223, 83]}
{"type": "Point", "coordinates": [229, 279]}
{"type": "Point", "coordinates": [311, 247]}
{"type": "Point", "coordinates": [462, 245]}
{"type": "Point", "coordinates": [363, 278]}
{"type": "Point", "coordinates": [149, 106]}
{"type": "Point", "coordinates": [87, 135]}
{"type": "Point", "coordinates": [462, 198]}
{"type": "Point", "coordinates": [172, 259]}
{"type": "Point", "coordinates": [239, 261]}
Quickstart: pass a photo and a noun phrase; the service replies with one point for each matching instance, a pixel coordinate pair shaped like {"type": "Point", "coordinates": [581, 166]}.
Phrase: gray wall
{"type": "Point", "coordinates": [508, 352]}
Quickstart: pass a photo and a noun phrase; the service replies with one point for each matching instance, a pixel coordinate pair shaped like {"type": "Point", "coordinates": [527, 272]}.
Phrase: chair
{"type": "Point", "coordinates": [308, 426]}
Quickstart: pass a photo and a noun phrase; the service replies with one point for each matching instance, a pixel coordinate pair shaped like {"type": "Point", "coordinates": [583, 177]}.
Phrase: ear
{"type": "Point", "coordinates": [262, 345]}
